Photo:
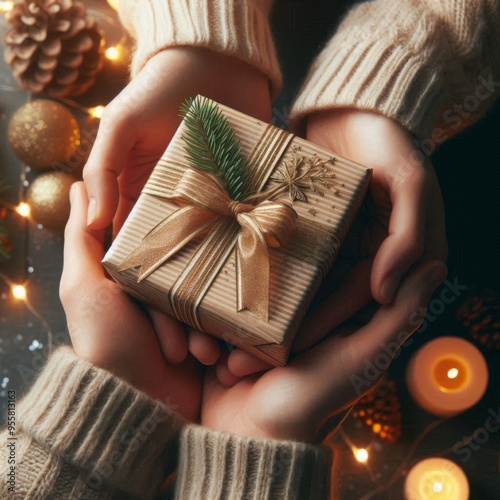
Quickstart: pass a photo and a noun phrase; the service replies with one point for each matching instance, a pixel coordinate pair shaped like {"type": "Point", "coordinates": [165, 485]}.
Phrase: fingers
{"type": "Point", "coordinates": [224, 375]}
{"type": "Point", "coordinates": [203, 347]}
{"type": "Point", "coordinates": [171, 336]}
{"type": "Point", "coordinates": [405, 243]}
{"type": "Point", "coordinates": [83, 247]}
{"type": "Point", "coordinates": [241, 363]}
{"type": "Point", "coordinates": [331, 374]}
{"type": "Point", "coordinates": [107, 160]}
{"type": "Point", "coordinates": [393, 324]}
{"type": "Point", "coordinates": [353, 294]}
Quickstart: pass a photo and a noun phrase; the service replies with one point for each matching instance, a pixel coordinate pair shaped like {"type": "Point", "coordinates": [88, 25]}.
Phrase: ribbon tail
{"type": "Point", "coordinates": [167, 238]}
{"type": "Point", "coordinates": [252, 269]}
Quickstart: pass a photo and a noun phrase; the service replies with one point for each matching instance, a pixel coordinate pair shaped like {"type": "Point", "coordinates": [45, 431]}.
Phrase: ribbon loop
{"type": "Point", "coordinates": [267, 225]}
{"type": "Point", "coordinates": [202, 190]}
{"type": "Point", "coordinates": [203, 201]}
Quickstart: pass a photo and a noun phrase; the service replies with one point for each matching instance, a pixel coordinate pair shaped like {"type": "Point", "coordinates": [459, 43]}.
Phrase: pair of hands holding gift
{"type": "Point", "coordinates": [406, 222]}
{"type": "Point", "coordinates": [112, 331]}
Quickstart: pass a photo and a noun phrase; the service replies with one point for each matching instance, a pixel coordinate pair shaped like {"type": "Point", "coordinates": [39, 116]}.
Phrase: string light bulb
{"type": "Point", "coordinates": [361, 455]}
{"type": "Point", "coordinates": [23, 209]}
{"type": "Point", "coordinates": [19, 292]}
{"type": "Point", "coordinates": [113, 53]}
{"type": "Point", "coordinates": [113, 4]}
{"type": "Point", "coordinates": [6, 6]}
{"type": "Point", "coordinates": [96, 112]}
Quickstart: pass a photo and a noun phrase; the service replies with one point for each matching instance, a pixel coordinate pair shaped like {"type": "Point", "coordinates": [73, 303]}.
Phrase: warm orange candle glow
{"type": "Point", "coordinates": [447, 375]}
{"type": "Point", "coordinates": [436, 479]}
{"type": "Point", "coordinates": [451, 374]}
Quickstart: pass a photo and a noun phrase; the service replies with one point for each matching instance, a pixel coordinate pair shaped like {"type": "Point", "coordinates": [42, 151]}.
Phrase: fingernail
{"type": "Point", "coordinates": [390, 285]}
{"type": "Point", "coordinates": [439, 274]}
{"type": "Point", "coordinates": [92, 211]}
{"type": "Point", "coordinates": [72, 193]}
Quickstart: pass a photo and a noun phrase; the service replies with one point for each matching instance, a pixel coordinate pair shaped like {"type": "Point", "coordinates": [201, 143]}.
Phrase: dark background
{"type": "Point", "coordinates": [468, 167]}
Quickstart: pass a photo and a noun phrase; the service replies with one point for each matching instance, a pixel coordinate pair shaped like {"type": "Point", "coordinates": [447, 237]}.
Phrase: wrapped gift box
{"type": "Point", "coordinates": [244, 271]}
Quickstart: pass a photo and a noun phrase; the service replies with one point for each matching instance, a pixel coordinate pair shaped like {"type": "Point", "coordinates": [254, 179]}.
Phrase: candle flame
{"type": "Point", "coordinates": [437, 487]}
{"type": "Point", "coordinates": [452, 373]}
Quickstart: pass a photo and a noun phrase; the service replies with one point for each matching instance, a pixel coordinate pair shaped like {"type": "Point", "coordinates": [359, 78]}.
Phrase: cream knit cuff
{"type": "Point", "coordinates": [409, 60]}
{"type": "Point", "coordinates": [220, 465]}
{"type": "Point", "coordinates": [102, 425]}
{"type": "Point", "coordinates": [236, 28]}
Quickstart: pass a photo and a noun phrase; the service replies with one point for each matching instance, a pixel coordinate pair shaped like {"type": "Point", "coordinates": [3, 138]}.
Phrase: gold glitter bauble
{"type": "Point", "coordinates": [48, 197]}
{"type": "Point", "coordinates": [43, 134]}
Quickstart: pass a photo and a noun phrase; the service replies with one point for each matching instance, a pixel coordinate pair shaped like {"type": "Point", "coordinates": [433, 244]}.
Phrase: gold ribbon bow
{"type": "Point", "coordinates": [203, 201]}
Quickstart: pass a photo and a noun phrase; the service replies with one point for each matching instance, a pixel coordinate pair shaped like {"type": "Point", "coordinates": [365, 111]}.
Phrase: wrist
{"type": "Point", "coordinates": [364, 136]}
{"type": "Point", "coordinates": [189, 71]}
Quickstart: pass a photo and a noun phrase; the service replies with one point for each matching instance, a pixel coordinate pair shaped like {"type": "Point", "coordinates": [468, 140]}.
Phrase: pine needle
{"type": "Point", "coordinates": [211, 145]}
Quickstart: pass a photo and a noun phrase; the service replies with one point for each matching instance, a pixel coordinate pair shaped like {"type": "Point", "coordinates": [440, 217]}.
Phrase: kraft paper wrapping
{"type": "Point", "coordinates": [297, 268]}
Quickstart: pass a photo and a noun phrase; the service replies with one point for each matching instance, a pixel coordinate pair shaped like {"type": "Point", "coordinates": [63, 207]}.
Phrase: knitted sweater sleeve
{"type": "Point", "coordinates": [236, 28]}
{"type": "Point", "coordinates": [432, 65]}
{"type": "Point", "coordinates": [83, 433]}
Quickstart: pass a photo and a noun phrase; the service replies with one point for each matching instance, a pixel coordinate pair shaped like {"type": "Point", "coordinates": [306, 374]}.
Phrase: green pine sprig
{"type": "Point", "coordinates": [212, 147]}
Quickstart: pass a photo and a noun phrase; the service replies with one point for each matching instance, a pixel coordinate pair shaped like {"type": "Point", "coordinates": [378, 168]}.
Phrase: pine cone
{"type": "Point", "coordinates": [480, 315]}
{"type": "Point", "coordinates": [380, 411]}
{"type": "Point", "coordinates": [53, 47]}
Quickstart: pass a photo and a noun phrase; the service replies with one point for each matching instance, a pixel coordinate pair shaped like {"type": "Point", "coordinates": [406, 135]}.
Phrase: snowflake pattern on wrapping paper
{"type": "Point", "coordinates": [300, 174]}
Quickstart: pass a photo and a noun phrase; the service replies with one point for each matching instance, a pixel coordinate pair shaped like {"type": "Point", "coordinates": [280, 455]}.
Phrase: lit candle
{"type": "Point", "coordinates": [113, 4]}
{"type": "Point", "coordinates": [446, 376]}
{"type": "Point", "coordinates": [436, 479]}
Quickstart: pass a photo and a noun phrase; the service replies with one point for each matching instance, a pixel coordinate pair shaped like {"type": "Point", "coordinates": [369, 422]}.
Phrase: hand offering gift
{"type": "Point", "coordinates": [236, 227]}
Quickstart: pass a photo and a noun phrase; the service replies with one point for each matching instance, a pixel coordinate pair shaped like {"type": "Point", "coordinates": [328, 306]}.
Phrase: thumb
{"type": "Point", "coordinates": [83, 246]}
{"type": "Point", "coordinates": [107, 160]}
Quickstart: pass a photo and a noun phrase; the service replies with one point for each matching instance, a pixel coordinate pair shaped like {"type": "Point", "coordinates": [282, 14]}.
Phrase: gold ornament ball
{"type": "Point", "coordinates": [48, 197]}
{"type": "Point", "coordinates": [43, 134]}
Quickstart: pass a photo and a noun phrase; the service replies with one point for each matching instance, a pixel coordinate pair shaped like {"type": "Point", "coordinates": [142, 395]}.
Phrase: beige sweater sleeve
{"type": "Point", "coordinates": [83, 433]}
{"type": "Point", "coordinates": [236, 28]}
{"type": "Point", "coordinates": [433, 65]}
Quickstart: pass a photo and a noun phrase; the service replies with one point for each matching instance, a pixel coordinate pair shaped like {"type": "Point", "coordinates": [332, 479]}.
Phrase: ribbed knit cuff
{"type": "Point", "coordinates": [225, 466]}
{"type": "Point", "coordinates": [235, 28]}
{"type": "Point", "coordinates": [408, 60]}
{"type": "Point", "coordinates": [100, 424]}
